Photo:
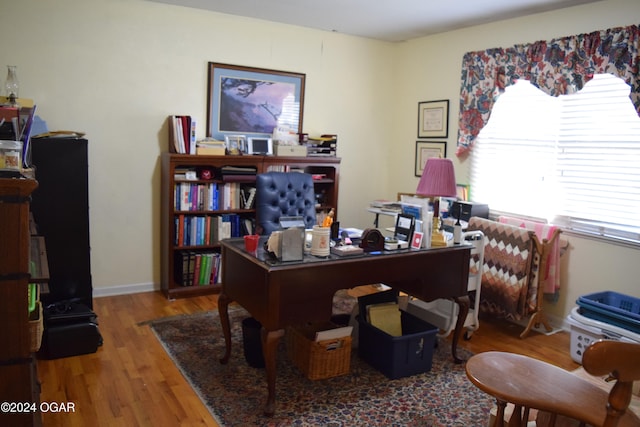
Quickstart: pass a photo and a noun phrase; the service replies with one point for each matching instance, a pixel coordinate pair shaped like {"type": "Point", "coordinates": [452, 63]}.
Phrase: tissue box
{"type": "Point", "coordinates": [291, 150]}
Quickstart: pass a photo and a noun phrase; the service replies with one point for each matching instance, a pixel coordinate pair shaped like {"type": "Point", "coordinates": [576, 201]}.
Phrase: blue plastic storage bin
{"type": "Point", "coordinates": [613, 308]}
{"type": "Point", "coordinates": [396, 356]}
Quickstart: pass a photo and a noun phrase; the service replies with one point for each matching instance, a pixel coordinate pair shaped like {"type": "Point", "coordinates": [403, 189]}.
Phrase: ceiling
{"type": "Point", "coordinates": [389, 20]}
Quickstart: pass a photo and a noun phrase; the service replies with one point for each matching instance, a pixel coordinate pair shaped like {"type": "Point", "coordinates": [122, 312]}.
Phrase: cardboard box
{"type": "Point", "coordinates": [395, 356]}
{"type": "Point", "coordinates": [210, 151]}
{"type": "Point", "coordinates": [291, 150]}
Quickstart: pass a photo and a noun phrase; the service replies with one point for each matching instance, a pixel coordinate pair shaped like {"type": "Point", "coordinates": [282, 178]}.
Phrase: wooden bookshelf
{"type": "Point", "coordinates": [326, 171]}
{"type": "Point", "coordinates": [17, 364]}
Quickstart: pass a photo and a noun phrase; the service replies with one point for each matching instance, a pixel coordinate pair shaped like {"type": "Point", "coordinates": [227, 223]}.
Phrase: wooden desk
{"type": "Point", "coordinates": [283, 294]}
{"type": "Point", "coordinates": [533, 384]}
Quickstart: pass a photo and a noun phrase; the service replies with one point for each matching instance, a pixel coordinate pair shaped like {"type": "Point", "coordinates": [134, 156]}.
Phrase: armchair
{"type": "Point", "coordinates": [283, 194]}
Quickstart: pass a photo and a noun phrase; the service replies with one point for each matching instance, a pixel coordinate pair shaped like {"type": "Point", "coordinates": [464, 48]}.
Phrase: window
{"type": "Point", "coordinates": [573, 160]}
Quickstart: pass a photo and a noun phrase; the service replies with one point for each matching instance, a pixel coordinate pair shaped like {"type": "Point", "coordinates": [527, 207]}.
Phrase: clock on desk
{"type": "Point", "coordinates": [372, 240]}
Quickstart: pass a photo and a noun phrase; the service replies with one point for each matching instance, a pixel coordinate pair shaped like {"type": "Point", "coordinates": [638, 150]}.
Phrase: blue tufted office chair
{"type": "Point", "coordinates": [283, 194]}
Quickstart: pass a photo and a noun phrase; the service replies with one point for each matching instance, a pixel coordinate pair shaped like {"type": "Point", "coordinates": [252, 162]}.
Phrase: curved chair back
{"type": "Point", "coordinates": [283, 194]}
{"type": "Point", "coordinates": [619, 360]}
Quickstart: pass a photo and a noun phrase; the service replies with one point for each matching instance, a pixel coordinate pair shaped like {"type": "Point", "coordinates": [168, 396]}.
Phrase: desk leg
{"type": "Point", "coordinates": [223, 311]}
{"type": "Point", "coordinates": [270, 341]}
{"type": "Point", "coordinates": [463, 305]}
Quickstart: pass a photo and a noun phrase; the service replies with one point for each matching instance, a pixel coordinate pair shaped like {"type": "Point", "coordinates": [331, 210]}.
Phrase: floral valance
{"type": "Point", "coordinates": [559, 66]}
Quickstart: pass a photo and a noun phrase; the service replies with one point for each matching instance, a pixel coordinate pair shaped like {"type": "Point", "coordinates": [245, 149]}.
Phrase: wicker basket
{"type": "Point", "coordinates": [36, 327]}
{"type": "Point", "coordinates": [321, 359]}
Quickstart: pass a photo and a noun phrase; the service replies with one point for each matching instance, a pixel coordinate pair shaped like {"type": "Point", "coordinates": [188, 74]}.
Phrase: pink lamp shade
{"type": "Point", "coordinates": [438, 179]}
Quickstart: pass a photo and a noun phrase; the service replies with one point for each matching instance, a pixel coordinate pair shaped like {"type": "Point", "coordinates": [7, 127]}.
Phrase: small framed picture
{"type": "Point", "coordinates": [433, 119]}
{"type": "Point", "coordinates": [426, 149]}
{"type": "Point", "coordinates": [416, 240]}
{"type": "Point", "coordinates": [236, 144]}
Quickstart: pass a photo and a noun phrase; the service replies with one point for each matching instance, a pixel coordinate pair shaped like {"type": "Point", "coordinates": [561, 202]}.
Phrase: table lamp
{"type": "Point", "coordinates": [438, 180]}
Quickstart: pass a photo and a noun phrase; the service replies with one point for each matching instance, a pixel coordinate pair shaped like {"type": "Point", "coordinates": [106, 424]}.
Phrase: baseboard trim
{"type": "Point", "coordinates": [109, 291]}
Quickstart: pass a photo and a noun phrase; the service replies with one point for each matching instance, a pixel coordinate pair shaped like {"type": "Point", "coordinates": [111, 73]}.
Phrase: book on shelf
{"type": "Point", "coordinates": [249, 197]}
{"type": "Point", "coordinates": [207, 230]}
{"type": "Point", "coordinates": [198, 196]}
{"type": "Point", "coordinates": [197, 268]}
{"type": "Point", "coordinates": [192, 134]}
{"type": "Point", "coordinates": [238, 178]}
{"type": "Point", "coordinates": [185, 275]}
{"type": "Point", "coordinates": [278, 168]}
{"type": "Point", "coordinates": [238, 170]}
{"type": "Point", "coordinates": [182, 134]}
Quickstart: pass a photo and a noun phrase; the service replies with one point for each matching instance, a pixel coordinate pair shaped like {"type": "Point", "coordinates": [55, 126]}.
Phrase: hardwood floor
{"type": "Point", "coordinates": [130, 381]}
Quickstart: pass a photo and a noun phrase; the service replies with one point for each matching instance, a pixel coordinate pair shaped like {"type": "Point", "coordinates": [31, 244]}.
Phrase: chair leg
{"type": "Point", "coordinates": [500, 413]}
{"type": "Point", "coordinates": [518, 419]}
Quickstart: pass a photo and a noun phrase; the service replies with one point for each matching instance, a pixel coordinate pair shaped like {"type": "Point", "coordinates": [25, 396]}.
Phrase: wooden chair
{"type": "Point", "coordinates": [529, 384]}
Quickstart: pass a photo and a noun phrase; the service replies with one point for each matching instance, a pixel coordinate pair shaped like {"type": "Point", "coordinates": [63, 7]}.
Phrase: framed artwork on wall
{"type": "Point", "coordinates": [433, 119]}
{"type": "Point", "coordinates": [252, 101]}
{"type": "Point", "coordinates": [426, 149]}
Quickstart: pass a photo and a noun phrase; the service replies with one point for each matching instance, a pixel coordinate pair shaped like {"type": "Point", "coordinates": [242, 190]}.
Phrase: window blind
{"type": "Point", "coordinates": [573, 160]}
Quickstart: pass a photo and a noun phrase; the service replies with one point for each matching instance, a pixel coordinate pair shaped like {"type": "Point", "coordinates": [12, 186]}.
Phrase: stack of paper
{"type": "Point", "coordinates": [335, 333]}
{"type": "Point", "coordinates": [386, 317]}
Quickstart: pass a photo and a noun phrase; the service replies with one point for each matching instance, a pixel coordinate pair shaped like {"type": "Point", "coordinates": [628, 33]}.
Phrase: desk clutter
{"type": "Point", "coordinates": [393, 341]}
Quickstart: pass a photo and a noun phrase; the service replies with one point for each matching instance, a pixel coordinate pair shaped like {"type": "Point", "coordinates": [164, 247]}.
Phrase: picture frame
{"type": "Point", "coordinates": [260, 145]}
{"type": "Point", "coordinates": [426, 149]}
{"type": "Point", "coordinates": [433, 119]}
{"type": "Point", "coordinates": [235, 144]}
{"type": "Point", "coordinates": [253, 101]}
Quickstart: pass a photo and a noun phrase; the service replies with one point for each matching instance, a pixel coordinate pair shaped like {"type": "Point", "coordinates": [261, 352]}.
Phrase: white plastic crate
{"type": "Point", "coordinates": [581, 337]}
{"type": "Point", "coordinates": [585, 331]}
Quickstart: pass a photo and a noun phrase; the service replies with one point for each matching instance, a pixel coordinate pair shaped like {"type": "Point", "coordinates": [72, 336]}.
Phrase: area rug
{"type": "Point", "coordinates": [236, 393]}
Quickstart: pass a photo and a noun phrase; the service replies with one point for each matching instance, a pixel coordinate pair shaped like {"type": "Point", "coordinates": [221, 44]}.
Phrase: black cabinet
{"type": "Point", "coordinates": [60, 207]}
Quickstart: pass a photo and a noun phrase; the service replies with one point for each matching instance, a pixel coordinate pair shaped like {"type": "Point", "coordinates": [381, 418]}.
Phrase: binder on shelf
{"type": "Point", "coordinates": [182, 134]}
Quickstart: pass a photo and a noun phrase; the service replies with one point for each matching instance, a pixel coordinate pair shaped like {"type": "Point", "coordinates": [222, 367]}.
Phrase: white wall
{"type": "Point", "coordinates": [116, 69]}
